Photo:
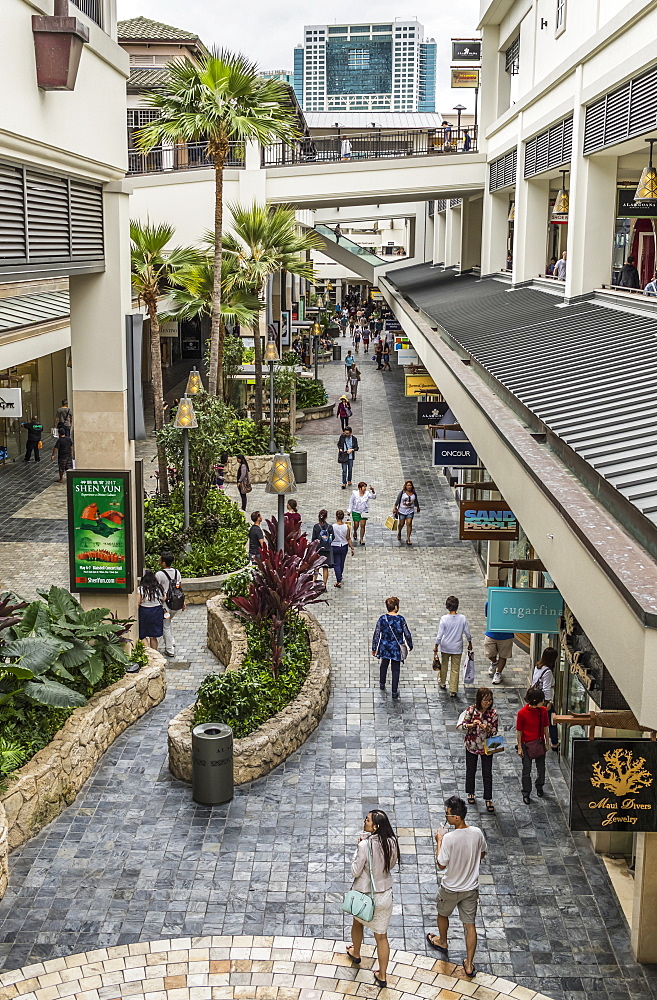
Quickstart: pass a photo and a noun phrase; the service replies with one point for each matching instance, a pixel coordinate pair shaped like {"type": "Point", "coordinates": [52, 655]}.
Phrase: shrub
{"type": "Point", "coordinates": [311, 392]}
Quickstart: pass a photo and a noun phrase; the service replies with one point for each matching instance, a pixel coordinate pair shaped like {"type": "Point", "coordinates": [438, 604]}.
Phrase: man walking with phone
{"type": "Point", "coordinates": [459, 853]}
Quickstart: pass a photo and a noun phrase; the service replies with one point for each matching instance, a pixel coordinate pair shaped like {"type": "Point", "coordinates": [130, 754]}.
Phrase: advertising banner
{"type": "Point", "coordinates": [11, 402]}
{"type": "Point", "coordinates": [407, 357]}
{"type": "Point", "coordinates": [285, 327]}
{"type": "Point", "coordinates": [465, 78]}
{"type": "Point", "coordinates": [628, 208]}
{"type": "Point", "coordinates": [520, 609]}
{"type": "Point", "coordinates": [430, 413]}
{"type": "Point", "coordinates": [419, 385]}
{"type": "Point", "coordinates": [466, 49]}
{"type": "Point", "coordinates": [454, 454]}
{"type": "Point", "coordinates": [99, 531]}
{"type": "Point", "coordinates": [487, 520]}
{"type": "Point", "coordinates": [613, 785]}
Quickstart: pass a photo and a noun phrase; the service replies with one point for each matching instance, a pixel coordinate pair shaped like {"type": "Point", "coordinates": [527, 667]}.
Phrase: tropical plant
{"type": "Point", "coordinates": [310, 392]}
{"type": "Point", "coordinates": [264, 239]}
{"type": "Point", "coordinates": [220, 99]}
{"type": "Point", "coordinates": [153, 267]}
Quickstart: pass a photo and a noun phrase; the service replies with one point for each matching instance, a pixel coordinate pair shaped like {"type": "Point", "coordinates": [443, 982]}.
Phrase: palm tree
{"type": "Point", "coordinates": [153, 267]}
{"type": "Point", "coordinates": [219, 100]}
{"type": "Point", "coordinates": [192, 295]}
{"type": "Point", "coordinates": [264, 240]}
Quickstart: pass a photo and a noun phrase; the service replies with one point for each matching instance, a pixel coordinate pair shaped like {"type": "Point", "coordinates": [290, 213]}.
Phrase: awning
{"type": "Point", "coordinates": [26, 310]}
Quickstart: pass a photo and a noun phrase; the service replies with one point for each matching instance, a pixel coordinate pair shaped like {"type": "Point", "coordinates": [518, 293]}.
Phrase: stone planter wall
{"type": "Point", "coordinates": [199, 589]}
{"type": "Point", "coordinates": [259, 466]}
{"type": "Point", "coordinates": [319, 412]}
{"type": "Point", "coordinates": [39, 791]}
{"type": "Point", "coordinates": [273, 742]}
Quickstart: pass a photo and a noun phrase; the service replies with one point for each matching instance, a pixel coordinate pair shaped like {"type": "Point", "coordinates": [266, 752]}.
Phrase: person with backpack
{"type": "Point", "coordinates": [543, 680]}
{"type": "Point", "coordinates": [170, 582]}
{"type": "Point", "coordinates": [323, 533]}
{"type": "Point", "coordinates": [532, 723]}
{"type": "Point", "coordinates": [391, 643]}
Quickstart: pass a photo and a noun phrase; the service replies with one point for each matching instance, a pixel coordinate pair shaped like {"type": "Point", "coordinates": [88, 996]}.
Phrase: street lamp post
{"type": "Point", "coordinates": [194, 383]}
{"type": "Point", "coordinates": [460, 108]}
{"type": "Point", "coordinates": [185, 419]}
{"type": "Point", "coordinates": [317, 332]}
{"type": "Point", "coordinates": [281, 481]}
{"type": "Point", "coordinates": [271, 357]}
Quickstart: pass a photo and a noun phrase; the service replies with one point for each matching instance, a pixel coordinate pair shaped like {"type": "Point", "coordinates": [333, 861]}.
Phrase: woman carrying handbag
{"type": "Point", "coordinates": [479, 722]}
{"type": "Point", "coordinates": [369, 900]}
{"type": "Point", "coordinates": [532, 734]}
{"type": "Point", "coordinates": [391, 642]}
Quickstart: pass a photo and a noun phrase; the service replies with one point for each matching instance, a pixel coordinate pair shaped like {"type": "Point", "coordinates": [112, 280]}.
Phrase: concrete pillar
{"type": "Point", "coordinates": [439, 229]}
{"type": "Point", "coordinates": [494, 90]}
{"type": "Point", "coordinates": [644, 912]}
{"type": "Point", "coordinates": [531, 221]}
{"type": "Point", "coordinates": [452, 235]}
{"type": "Point", "coordinates": [99, 303]}
{"type": "Point", "coordinates": [471, 212]}
{"type": "Point", "coordinates": [591, 223]}
{"type": "Point", "coordinates": [495, 230]}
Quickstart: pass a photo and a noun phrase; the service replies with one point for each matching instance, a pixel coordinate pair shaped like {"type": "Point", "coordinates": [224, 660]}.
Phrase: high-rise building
{"type": "Point", "coordinates": [284, 75]}
{"type": "Point", "coordinates": [366, 67]}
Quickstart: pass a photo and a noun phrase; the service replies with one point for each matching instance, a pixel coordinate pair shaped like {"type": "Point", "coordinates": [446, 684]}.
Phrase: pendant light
{"type": "Point", "coordinates": [647, 189]}
{"type": "Point", "coordinates": [560, 210]}
{"type": "Point", "coordinates": [512, 212]}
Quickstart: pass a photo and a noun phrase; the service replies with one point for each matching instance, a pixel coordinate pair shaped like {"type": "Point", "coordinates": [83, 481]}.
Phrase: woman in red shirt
{"type": "Point", "coordinates": [532, 733]}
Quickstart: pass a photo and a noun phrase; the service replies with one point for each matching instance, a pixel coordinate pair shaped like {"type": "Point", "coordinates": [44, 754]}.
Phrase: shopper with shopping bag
{"type": "Point", "coordinates": [478, 724]}
{"type": "Point", "coordinates": [449, 640]}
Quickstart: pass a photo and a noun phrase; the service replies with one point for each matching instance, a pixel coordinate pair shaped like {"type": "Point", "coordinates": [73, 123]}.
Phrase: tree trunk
{"type": "Point", "coordinates": [223, 386]}
{"type": "Point", "coordinates": [158, 393]}
{"type": "Point", "coordinates": [257, 342]}
{"type": "Point", "coordinates": [217, 335]}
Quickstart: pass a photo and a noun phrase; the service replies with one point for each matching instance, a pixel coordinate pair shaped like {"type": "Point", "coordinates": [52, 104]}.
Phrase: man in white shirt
{"type": "Point", "coordinates": [560, 268]}
{"type": "Point", "coordinates": [459, 854]}
{"type": "Point", "coordinates": [167, 575]}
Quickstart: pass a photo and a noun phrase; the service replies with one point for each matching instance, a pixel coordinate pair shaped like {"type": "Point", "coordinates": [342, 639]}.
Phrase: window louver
{"type": "Point", "coordinates": [86, 221]}
{"type": "Point", "coordinates": [549, 149]}
{"type": "Point", "coordinates": [627, 111]}
{"type": "Point", "coordinates": [502, 171]}
{"type": "Point", "coordinates": [12, 214]}
{"type": "Point", "coordinates": [441, 205]}
{"type": "Point", "coordinates": [48, 222]}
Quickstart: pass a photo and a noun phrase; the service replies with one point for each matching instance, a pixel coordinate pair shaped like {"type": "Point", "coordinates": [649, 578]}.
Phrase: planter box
{"type": "Point", "coordinates": [259, 465]}
{"type": "Point", "coordinates": [319, 412]}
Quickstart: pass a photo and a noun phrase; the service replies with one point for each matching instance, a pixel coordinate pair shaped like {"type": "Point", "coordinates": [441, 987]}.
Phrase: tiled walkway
{"type": "Point", "coordinates": [134, 860]}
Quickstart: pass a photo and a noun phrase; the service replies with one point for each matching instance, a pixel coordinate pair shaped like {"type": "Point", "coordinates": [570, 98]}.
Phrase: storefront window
{"type": "Point", "coordinates": [576, 702]}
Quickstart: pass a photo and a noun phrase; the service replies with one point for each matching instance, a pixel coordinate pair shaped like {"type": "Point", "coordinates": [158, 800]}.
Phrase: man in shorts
{"type": "Point", "coordinates": [459, 854]}
{"type": "Point", "coordinates": [498, 647]}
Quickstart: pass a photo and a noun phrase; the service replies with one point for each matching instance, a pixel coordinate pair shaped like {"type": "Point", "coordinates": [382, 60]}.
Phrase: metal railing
{"type": "Point", "coordinates": [182, 156]}
{"type": "Point", "coordinates": [375, 144]}
{"type": "Point", "coordinates": [92, 8]}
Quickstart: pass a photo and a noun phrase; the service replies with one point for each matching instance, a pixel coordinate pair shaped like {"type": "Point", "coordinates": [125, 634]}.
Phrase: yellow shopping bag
{"type": "Point", "coordinates": [392, 523]}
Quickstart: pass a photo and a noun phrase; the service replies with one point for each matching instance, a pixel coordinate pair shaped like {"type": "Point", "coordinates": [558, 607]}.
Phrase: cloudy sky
{"type": "Point", "coordinates": [268, 32]}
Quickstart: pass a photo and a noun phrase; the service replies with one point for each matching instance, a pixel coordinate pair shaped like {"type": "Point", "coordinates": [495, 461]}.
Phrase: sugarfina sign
{"type": "Point", "coordinates": [613, 785]}
{"type": "Point", "coordinates": [520, 609]}
{"type": "Point", "coordinates": [485, 520]}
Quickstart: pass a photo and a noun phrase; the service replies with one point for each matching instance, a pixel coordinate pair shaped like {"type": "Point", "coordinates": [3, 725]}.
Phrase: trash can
{"type": "Point", "coordinates": [299, 460]}
{"type": "Point", "coordinates": [337, 352]}
{"type": "Point", "coordinates": [212, 763]}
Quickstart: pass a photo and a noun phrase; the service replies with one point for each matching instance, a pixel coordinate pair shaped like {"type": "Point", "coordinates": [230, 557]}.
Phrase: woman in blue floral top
{"type": "Point", "coordinates": [391, 641]}
{"type": "Point", "coordinates": [479, 722]}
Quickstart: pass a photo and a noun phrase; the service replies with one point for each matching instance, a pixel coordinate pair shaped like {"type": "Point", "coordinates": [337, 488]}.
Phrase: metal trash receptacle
{"type": "Point", "coordinates": [299, 460]}
{"type": "Point", "coordinates": [212, 763]}
{"type": "Point", "coordinates": [337, 352]}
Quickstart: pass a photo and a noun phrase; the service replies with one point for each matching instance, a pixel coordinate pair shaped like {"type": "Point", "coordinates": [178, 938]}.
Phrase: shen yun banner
{"type": "Point", "coordinates": [613, 785]}
{"type": "Point", "coordinates": [99, 531]}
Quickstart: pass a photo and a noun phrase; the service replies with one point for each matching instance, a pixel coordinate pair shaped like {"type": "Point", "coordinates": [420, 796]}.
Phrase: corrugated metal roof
{"type": "Point", "coordinates": [587, 371]}
{"type": "Point", "coordinates": [143, 29]}
{"type": "Point", "coordinates": [26, 310]}
{"type": "Point", "coordinates": [364, 119]}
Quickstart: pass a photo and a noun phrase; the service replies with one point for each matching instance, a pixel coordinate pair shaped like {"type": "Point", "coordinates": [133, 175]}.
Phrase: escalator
{"type": "Point", "coordinates": [358, 259]}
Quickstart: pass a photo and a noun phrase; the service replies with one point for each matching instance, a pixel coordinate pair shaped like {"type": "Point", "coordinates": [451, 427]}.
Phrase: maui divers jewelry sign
{"type": "Point", "coordinates": [430, 413]}
{"type": "Point", "coordinates": [11, 402]}
{"type": "Point", "coordinates": [613, 785]}
{"type": "Point", "coordinates": [522, 609]}
{"type": "Point", "coordinates": [454, 454]}
{"type": "Point", "coordinates": [487, 520]}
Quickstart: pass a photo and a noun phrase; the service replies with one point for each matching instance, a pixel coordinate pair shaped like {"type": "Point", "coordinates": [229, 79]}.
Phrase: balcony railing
{"type": "Point", "coordinates": [375, 144]}
{"type": "Point", "coordinates": [182, 156]}
{"type": "Point", "coordinates": [92, 8]}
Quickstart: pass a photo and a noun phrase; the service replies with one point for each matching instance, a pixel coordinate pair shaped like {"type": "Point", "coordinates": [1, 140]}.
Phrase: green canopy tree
{"type": "Point", "coordinates": [153, 267]}
{"type": "Point", "coordinates": [219, 100]}
{"type": "Point", "coordinates": [265, 239]}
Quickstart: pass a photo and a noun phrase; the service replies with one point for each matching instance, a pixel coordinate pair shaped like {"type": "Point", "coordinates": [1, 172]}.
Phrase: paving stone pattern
{"type": "Point", "coordinates": [134, 859]}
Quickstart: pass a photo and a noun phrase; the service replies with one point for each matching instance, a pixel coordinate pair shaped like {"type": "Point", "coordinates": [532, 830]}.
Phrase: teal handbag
{"type": "Point", "coordinates": [359, 904]}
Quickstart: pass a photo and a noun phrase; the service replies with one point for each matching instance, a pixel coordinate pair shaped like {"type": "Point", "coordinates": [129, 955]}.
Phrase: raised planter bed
{"type": "Point", "coordinates": [259, 468]}
{"type": "Point", "coordinates": [272, 743]}
{"type": "Point", "coordinates": [199, 589]}
{"type": "Point", "coordinates": [37, 792]}
{"type": "Point", "coordinates": [319, 412]}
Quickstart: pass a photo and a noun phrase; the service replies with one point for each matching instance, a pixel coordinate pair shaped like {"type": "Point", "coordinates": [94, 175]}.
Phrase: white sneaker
{"type": "Point", "coordinates": [497, 679]}
{"type": "Point", "coordinates": [492, 669]}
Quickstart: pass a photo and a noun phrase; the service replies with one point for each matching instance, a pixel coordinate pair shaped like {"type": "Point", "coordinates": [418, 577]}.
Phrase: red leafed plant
{"type": "Point", "coordinates": [282, 582]}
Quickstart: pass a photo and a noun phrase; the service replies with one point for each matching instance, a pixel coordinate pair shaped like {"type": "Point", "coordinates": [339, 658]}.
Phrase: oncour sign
{"type": "Point", "coordinates": [613, 785]}
{"type": "Point", "coordinates": [487, 520]}
{"type": "Point", "coordinates": [522, 609]}
{"type": "Point", "coordinates": [454, 454]}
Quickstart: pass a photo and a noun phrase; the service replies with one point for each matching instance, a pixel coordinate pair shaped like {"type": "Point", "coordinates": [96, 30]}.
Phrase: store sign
{"type": "Point", "coordinates": [613, 785]}
{"type": "Point", "coordinates": [628, 208]}
{"type": "Point", "coordinates": [11, 402]}
{"type": "Point", "coordinates": [169, 328]}
{"type": "Point", "coordinates": [454, 454]}
{"type": "Point", "coordinates": [407, 357]}
{"type": "Point", "coordinates": [465, 78]}
{"type": "Point", "coordinates": [583, 661]}
{"type": "Point", "coordinates": [466, 49]}
{"type": "Point", "coordinates": [487, 520]}
{"type": "Point", "coordinates": [521, 609]}
{"type": "Point", "coordinates": [419, 385]}
{"type": "Point", "coordinates": [99, 531]}
{"type": "Point", "coordinates": [430, 413]}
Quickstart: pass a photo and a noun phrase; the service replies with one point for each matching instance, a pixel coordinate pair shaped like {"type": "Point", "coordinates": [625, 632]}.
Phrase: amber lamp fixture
{"type": "Point", "coordinates": [186, 419]}
{"type": "Point", "coordinates": [647, 189]}
{"type": "Point", "coordinates": [561, 204]}
{"type": "Point", "coordinates": [194, 383]}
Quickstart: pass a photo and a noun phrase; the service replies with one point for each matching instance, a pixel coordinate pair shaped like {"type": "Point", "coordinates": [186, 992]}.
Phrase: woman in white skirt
{"type": "Point", "coordinates": [384, 849]}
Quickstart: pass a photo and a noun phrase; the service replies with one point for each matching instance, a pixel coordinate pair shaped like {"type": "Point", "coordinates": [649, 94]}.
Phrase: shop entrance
{"type": "Point", "coordinates": [643, 249]}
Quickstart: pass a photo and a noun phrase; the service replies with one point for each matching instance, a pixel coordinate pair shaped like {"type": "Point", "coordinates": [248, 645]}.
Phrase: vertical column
{"type": "Point", "coordinates": [471, 211]}
{"type": "Point", "coordinates": [495, 229]}
{"type": "Point", "coordinates": [530, 227]}
{"type": "Point", "coordinates": [644, 911]}
{"type": "Point", "coordinates": [439, 233]}
{"type": "Point", "coordinates": [452, 235]}
{"type": "Point", "coordinates": [591, 222]}
{"type": "Point", "coordinates": [99, 303]}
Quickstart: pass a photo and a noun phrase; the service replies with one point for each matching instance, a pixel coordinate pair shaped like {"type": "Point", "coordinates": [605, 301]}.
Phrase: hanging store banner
{"type": "Point", "coordinates": [628, 208]}
{"type": "Point", "coordinates": [285, 327]}
{"type": "Point", "coordinates": [487, 520]}
{"type": "Point", "coordinates": [419, 385]}
{"type": "Point", "coordinates": [454, 454]}
{"type": "Point", "coordinates": [99, 531]}
{"type": "Point", "coordinates": [466, 49]}
{"type": "Point", "coordinates": [430, 413]}
{"type": "Point", "coordinates": [521, 609]}
{"type": "Point", "coordinates": [407, 357]}
{"type": "Point", "coordinates": [11, 402]}
{"type": "Point", "coordinates": [613, 785]}
{"type": "Point", "coordinates": [465, 78]}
